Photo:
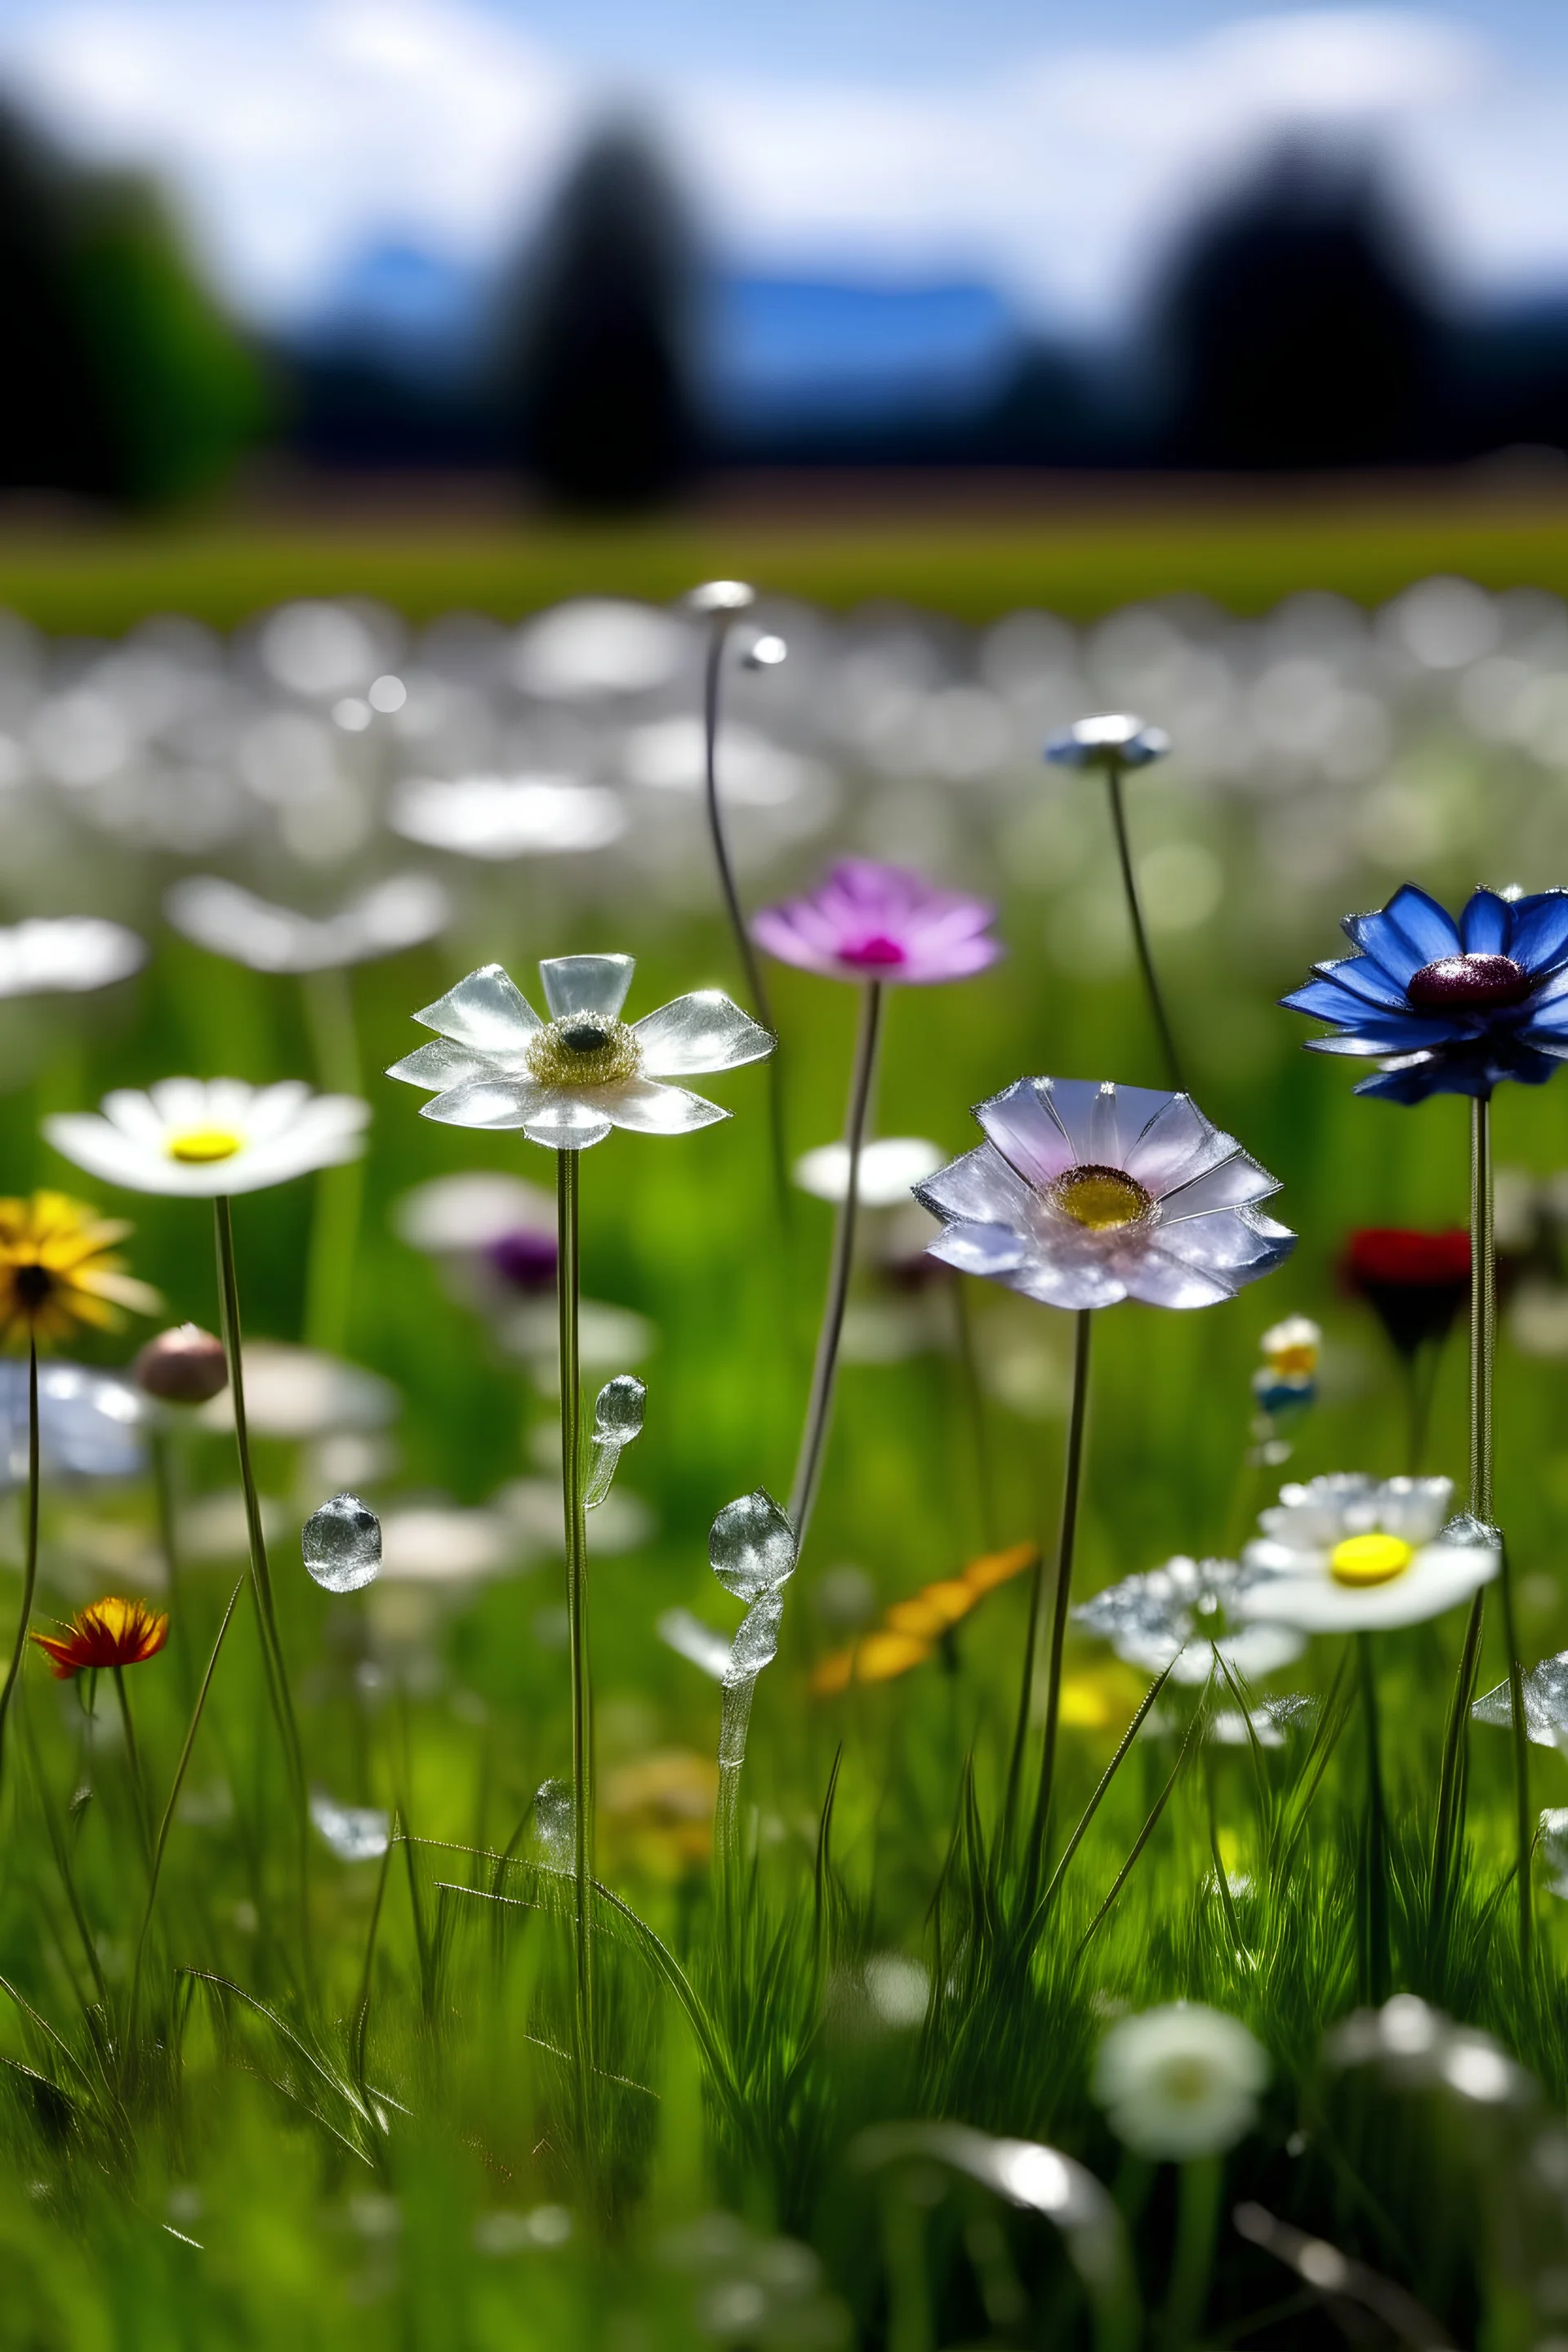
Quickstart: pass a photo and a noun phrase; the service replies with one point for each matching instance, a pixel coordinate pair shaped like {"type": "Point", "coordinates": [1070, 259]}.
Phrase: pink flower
{"type": "Point", "coordinates": [869, 921]}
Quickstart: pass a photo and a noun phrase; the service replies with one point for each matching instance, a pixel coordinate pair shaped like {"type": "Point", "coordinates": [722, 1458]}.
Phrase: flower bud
{"type": "Point", "coordinates": [185, 1366]}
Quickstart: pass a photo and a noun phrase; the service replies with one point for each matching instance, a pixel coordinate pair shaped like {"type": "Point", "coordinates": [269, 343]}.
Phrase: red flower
{"type": "Point", "coordinates": [1415, 1283]}
{"type": "Point", "coordinates": [111, 1633]}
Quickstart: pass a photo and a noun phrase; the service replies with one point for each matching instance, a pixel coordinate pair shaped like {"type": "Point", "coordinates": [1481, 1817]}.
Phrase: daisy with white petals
{"type": "Point", "coordinates": [1082, 1195]}
{"type": "Point", "coordinates": [1349, 1554]}
{"type": "Point", "coordinates": [1180, 2082]}
{"type": "Point", "coordinates": [206, 1139]}
{"type": "Point", "coordinates": [568, 1080]}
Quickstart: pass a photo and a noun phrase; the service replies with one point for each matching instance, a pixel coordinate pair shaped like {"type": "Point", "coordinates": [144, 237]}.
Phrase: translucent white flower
{"type": "Point", "coordinates": [889, 1169]}
{"type": "Point", "coordinates": [400, 912]}
{"type": "Point", "coordinates": [198, 1138]}
{"type": "Point", "coordinates": [567, 1081]}
{"type": "Point", "coordinates": [67, 954]}
{"type": "Point", "coordinates": [1082, 1195]}
{"type": "Point", "coordinates": [506, 816]}
{"type": "Point", "coordinates": [1182, 2081]}
{"type": "Point", "coordinates": [1179, 1616]}
{"type": "Point", "coordinates": [1348, 1553]}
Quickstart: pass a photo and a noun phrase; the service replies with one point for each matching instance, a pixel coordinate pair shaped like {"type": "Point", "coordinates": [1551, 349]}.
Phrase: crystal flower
{"type": "Point", "coordinates": [1545, 1689]}
{"type": "Point", "coordinates": [567, 1081]}
{"type": "Point", "coordinates": [1347, 1553]}
{"type": "Point", "coordinates": [1082, 1195]}
{"type": "Point", "coordinates": [57, 1269]}
{"type": "Point", "coordinates": [1458, 1007]}
{"type": "Point", "coordinates": [67, 954]}
{"type": "Point", "coordinates": [198, 1138]}
{"type": "Point", "coordinates": [1179, 1616]}
{"type": "Point", "coordinates": [887, 1171]}
{"type": "Point", "coordinates": [111, 1633]}
{"type": "Point", "coordinates": [1115, 741]}
{"type": "Point", "coordinates": [400, 912]}
{"type": "Point", "coordinates": [869, 921]}
{"type": "Point", "coordinates": [1181, 2081]}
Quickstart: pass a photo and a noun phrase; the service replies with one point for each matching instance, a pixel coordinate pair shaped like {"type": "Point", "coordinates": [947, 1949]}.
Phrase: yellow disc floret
{"type": "Point", "coordinates": [1369, 1560]}
{"type": "Point", "coordinates": [1101, 1200]}
{"type": "Point", "coordinates": [583, 1050]}
{"type": "Point", "coordinates": [198, 1147]}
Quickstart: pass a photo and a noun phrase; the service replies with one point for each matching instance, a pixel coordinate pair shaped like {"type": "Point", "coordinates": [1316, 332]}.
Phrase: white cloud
{"type": "Point", "coordinates": [298, 131]}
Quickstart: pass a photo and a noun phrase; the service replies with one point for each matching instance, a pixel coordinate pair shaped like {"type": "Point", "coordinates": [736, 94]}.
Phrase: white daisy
{"type": "Point", "coordinates": [67, 954]}
{"type": "Point", "coordinates": [567, 1081]}
{"type": "Point", "coordinates": [400, 912]}
{"type": "Point", "coordinates": [1181, 2081]}
{"type": "Point", "coordinates": [1348, 1553]}
{"type": "Point", "coordinates": [200, 1138]}
{"type": "Point", "coordinates": [1179, 1616]}
{"type": "Point", "coordinates": [1082, 1195]}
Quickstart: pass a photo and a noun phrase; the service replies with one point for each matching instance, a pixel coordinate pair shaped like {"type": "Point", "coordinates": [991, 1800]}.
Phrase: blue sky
{"type": "Point", "coordinates": [1048, 150]}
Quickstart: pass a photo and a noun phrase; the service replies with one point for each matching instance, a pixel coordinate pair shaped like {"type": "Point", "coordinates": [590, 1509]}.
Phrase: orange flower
{"type": "Point", "coordinates": [911, 1630]}
{"type": "Point", "coordinates": [111, 1633]}
{"type": "Point", "coordinates": [57, 1270]}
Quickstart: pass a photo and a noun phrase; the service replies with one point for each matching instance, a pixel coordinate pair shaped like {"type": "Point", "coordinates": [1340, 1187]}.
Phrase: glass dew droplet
{"type": "Point", "coordinates": [342, 1544]}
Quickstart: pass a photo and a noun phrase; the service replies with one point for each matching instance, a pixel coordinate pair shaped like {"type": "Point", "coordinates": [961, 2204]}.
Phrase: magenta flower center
{"type": "Point", "coordinates": [1468, 983]}
{"type": "Point", "coordinates": [876, 952]}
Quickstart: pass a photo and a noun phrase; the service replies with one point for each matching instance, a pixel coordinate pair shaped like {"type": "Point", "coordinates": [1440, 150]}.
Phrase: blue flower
{"type": "Point", "coordinates": [1455, 1007]}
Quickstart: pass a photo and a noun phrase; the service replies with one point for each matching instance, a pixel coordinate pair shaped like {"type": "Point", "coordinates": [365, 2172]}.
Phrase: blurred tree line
{"type": "Point", "coordinates": [124, 382]}
{"type": "Point", "coordinates": [1292, 325]}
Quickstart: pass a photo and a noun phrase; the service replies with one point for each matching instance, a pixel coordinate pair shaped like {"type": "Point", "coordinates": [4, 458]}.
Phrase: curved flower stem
{"type": "Point", "coordinates": [568, 1169]}
{"type": "Point", "coordinates": [260, 1574]}
{"type": "Point", "coordinates": [1072, 1488]}
{"type": "Point", "coordinates": [30, 1573]}
{"type": "Point", "coordinates": [1199, 2184]}
{"type": "Point", "coordinates": [1483, 1352]}
{"type": "Point", "coordinates": [1140, 935]}
{"type": "Point", "coordinates": [334, 1218]}
{"type": "Point", "coordinates": [1375, 1844]}
{"type": "Point", "coordinates": [819, 1411]}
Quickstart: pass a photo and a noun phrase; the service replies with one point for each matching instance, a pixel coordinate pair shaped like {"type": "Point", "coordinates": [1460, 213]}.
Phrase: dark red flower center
{"type": "Point", "coordinates": [1393, 1255]}
{"type": "Point", "coordinates": [876, 952]}
{"type": "Point", "coordinates": [1468, 983]}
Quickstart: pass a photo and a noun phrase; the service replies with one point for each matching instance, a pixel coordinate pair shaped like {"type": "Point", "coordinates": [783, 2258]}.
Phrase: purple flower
{"type": "Point", "coordinates": [525, 1260]}
{"type": "Point", "coordinates": [869, 921]}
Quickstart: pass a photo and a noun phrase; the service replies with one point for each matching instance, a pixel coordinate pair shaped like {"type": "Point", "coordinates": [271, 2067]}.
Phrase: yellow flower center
{"type": "Point", "coordinates": [1186, 2082]}
{"type": "Point", "coordinates": [586, 1050]}
{"type": "Point", "coordinates": [1101, 1200]}
{"type": "Point", "coordinates": [200, 1144]}
{"type": "Point", "coordinates": [1369, 1560]}
{"type": "Point", "coordinates": [1286, 1360]}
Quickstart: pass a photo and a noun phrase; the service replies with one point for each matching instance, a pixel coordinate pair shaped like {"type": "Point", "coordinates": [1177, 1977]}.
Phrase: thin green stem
{"type": "Point", "coordinates": [166, 1825]}
{"type": "Point", "coordinates": [334, 1222]}
{"type": "Point", "coordinates": [756, 987]}
{"type": "Point", "coordinates": [1199, 2185]}
{"type": "Point", "coordinates": [1375, 1844]}
{"type": "Point", "coordinates": [260, 1574]}
{"type": "Point", "coordinates": [1140, 933]}
{"type": "Point", "coordinates": [1483, 1352]}
{"type": "Point", "coordinates": [30, 1570]}
{"type": "Point", "coordinates": [1072, 1488]}
{"type": "Point", "coordinates": [568, 1168]}
{"type": "Point", "coordinates": [134, 1761]}
{"type": "Point", "coordinates": [819, 1410]}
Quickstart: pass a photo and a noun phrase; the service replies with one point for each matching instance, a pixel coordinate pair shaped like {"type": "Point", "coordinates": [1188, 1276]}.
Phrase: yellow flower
{"type": "Point", "coordinates": [658, 1813]}
{"type": "Point", "coordinates": [911, 1630]}
{"type": "Point", "coordinates": [57, 1270]}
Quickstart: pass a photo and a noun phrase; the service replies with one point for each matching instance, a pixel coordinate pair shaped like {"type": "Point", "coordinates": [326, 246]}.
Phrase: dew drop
{"type": "Point", "coordinates": [342, 1544]}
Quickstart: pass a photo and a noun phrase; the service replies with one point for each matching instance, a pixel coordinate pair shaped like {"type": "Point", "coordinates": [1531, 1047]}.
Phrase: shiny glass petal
{"type": "Point", "coordinates": [648, 1106]}
{"type": "Point", "coordinates": [586, 983]}
{"type": "Point", "coordinates": [441, 1065]}
{"type": "Point", "coordinates": [1545, 1703]}
{"type": "Point", "coordinates": [487, 1010]}
{"type": "Point", "coordinates": [488, 1102]}
{"type": "Point", "coordinates": [699, 1033]}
